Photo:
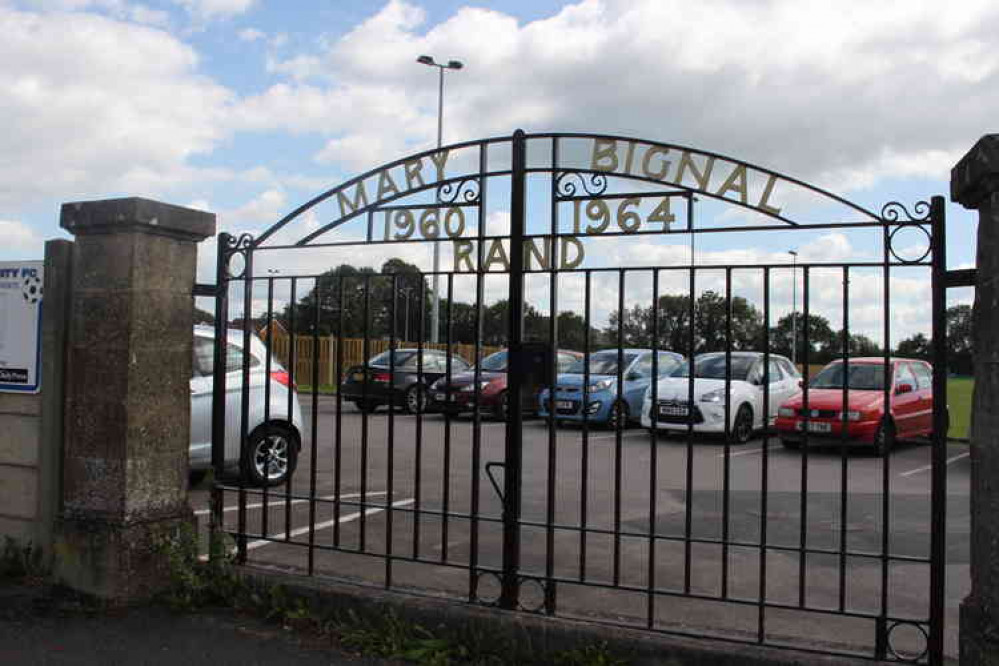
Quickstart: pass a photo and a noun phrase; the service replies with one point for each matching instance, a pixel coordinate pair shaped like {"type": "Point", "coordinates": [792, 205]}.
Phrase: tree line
{"type": "Point", "coordinates": [397, 299]}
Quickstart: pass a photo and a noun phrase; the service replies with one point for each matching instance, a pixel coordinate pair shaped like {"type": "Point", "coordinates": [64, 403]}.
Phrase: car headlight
{"type": "Point", "coordinates": [853, 416]}
{"type": "Point", "coordinates": [718, 395]}
{"type": "Point", "coordinates": [602, 384]}
{"type": "Point", "coordinates": [785, 411]}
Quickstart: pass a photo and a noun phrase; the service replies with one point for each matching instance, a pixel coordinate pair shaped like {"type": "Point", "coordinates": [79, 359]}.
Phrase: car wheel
{"type": "Point", "coordinates": [501, 409]}
{"type": "Point", "coordinates": [882, 437]}
{"type": "Point", "coordinates": [790, 444]}
{"type": "Point", "coordinates": [271, 456]}
{"type": "Point", "coordinates": [366, 406]}
{"type": "Point", "coordinates": [415, 400]}
{"type": "Point", "coordinates": [742, 430]}
{"type": "Point", "coordinates": [618, 414]}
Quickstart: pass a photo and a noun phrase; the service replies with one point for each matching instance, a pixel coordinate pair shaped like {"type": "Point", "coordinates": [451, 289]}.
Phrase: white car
{"type": "Point", "coordinates": [673, 413]}
{"type": "Point", "coordinates": [273, 436]}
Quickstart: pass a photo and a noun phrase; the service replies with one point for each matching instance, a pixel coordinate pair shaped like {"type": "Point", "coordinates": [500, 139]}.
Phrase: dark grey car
{"type": "Point", "coordinates": [400, 381]}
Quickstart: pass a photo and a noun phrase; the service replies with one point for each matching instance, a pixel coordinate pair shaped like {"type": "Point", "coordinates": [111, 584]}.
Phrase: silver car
{"type": "Point", "coordinates": [274, 438]}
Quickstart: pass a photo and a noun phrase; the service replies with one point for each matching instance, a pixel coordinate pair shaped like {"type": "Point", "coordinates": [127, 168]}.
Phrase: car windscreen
{"type": "Point", "coordinates": [860, 376]}
{"type": "Point", "coordinates": [401, 357]}
{"type": "Point", "coordinates": [713, 367]}
{"type": "Point", "coordinates": [494, 362]}
{"type": "Point", "coordinates": [601, 363]}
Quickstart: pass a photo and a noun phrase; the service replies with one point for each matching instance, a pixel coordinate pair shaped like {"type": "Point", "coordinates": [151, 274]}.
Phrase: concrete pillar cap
{"type": "Point", "coordinates": [976, 176]}
{"type": "Point", "coordinates": [109, 216]}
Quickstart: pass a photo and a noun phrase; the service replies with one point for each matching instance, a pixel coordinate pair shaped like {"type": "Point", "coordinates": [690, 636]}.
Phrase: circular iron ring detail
{"type": "Point", "coordinates": [477, 598]}
{"type": "Point", "coordinates": [902, 656]}
{"type": "Point", "coordinates": [237, 246]}
{"type": "Point", "coordinates": [912, 225]}
{"type": "Point", "coordinates": [541, 587]}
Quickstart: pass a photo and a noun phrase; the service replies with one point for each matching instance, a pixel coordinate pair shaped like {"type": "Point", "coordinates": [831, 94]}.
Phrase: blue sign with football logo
{"type": "Point", "coordinates": [22, 287]}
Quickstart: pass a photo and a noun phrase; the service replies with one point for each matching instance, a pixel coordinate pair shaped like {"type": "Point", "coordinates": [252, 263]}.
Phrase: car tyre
{"type": "Point", "coordinates": [415, 400]}
{"type": "Point", "coordinates": [366, 406]}
{"type": "Point", "coordinates": [742, 429]}
{"type": "Point", "coordinates": [271, 455]}
{"type": "Point", "coordinates": [502, 407]}
{"type": "Point", "coordinates": [882, 437]}
{"type": "Point", "coordinates": [618, 413]}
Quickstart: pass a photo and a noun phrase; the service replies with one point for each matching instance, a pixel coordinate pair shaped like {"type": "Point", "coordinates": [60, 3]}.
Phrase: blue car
{"type": "Point", "coordinates": [604, 406]}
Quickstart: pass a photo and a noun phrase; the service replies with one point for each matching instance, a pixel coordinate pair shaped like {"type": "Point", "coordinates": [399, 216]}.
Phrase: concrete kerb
{"type": "Point", "coordinates": [527, 635]}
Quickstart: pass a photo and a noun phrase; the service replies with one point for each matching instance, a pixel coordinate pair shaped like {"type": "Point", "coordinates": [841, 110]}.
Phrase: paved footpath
{"type": "Point", "coordinates": [36, 630]}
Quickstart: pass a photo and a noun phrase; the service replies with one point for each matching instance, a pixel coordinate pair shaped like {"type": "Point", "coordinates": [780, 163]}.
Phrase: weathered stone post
{"type": "Point", "coordinates": [128, 365]}
{"type": "Point", "coordinates": [974, 184]}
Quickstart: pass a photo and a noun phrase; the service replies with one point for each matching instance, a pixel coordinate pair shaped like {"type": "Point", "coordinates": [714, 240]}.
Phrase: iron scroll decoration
{"type": "Point", "coordinates": [570, 182]}
{"type": "Point", "coordinates": [236, 246]}
{"type": "Point", "coordinates": [467, 190]}
{"type": "Point", "coordinates": [566, 188]}
{"type": "Point", "coordinates": [898, 216]}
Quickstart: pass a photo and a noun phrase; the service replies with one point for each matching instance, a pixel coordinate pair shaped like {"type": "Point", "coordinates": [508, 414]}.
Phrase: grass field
{"type": "Point", "coordinates": [959, 399]}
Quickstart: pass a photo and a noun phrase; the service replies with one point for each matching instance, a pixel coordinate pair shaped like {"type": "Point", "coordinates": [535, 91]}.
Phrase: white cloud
{"type": "Point", "coordinates": [251, 35]}
{"type": "Point", "coordinates": [808, 88]}
{"type": "Point", "coordinates": [213, 9]}
{"type": "Point", "coordinates": [115, 108]}
{"type": "Point", "coordinates": [18, 237]}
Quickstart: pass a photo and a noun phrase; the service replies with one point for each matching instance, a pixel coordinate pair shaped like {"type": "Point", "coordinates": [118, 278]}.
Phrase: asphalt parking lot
{"type": "Point", "coordinates": [428, 471]}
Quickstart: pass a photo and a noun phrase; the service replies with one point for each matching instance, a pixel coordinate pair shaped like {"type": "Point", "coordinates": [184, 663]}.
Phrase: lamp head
{"type": "Point", "coordinates": [425, 60]}
{"type": "Point", "coordinates": [454, 64]}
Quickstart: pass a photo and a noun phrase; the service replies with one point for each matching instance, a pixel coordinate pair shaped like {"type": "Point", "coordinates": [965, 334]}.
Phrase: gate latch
{"type": "Point", "coordinates": [492, 479]}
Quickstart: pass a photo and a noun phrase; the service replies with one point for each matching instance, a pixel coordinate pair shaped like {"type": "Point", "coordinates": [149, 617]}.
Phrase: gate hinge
{"type": "Point", "coordinates": [202, 289]}
{"type": "Point", "coordinates": [964, 277]}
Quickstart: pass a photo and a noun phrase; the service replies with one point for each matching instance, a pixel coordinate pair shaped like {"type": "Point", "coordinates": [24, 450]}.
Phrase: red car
{"type": "Point", "coordinates": [459, 395]}
{"type": "Point", "coordinates": [910, 413]}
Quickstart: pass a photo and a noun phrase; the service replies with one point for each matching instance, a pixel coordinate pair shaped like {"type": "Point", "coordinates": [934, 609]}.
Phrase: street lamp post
{"type": "Point", "coordinates": [451, 64]}
{"type": "Point", "coordinates": [406, 291]}
{"type": "Point", "coordinates": [794, 306]}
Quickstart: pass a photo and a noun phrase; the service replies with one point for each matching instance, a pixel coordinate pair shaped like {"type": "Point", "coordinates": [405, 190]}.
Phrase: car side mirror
{"type": "Point", "coordinates": [903, 388]}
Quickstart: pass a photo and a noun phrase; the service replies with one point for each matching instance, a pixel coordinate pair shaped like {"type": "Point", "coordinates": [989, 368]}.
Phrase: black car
{"type": "Point", "coordinates": [400, 380]}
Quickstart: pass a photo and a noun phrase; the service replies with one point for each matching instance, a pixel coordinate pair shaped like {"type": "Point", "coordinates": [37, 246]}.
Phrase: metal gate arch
{"type": "Point", "coordinates": [613, 160]}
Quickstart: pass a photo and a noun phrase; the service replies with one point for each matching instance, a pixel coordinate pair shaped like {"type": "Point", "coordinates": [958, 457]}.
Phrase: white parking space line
{"type": "Point", "coordinates": [623, 436]}
{"type": "Point", "coordinates": [280, 502]}
{"type": "Point", "coordinates": [926, 468]}
{"type": "Point", "coordinates": [745, 452]}
{"type": "Point", "coordinates": [349, 518]}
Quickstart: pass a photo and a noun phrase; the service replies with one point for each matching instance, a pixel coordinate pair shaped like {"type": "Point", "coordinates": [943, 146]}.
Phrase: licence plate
{"type": "Point", "coordinates": [815, 427]}
{"type": "Point", "coordinates": [358, 376]}
{"type": "Point", "coordinates": [563, 404]}
{"type": "Point", "coordinates": [440, 397]}
{"type": "Point", "coordinates": [672, 410]}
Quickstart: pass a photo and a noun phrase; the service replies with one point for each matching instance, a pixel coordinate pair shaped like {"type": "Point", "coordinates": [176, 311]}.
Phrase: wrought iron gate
{"type": "Point", "coordinates": [799, 546]}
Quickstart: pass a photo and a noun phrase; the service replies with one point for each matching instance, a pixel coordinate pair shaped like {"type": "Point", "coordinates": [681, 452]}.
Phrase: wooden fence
{"type": "Point", "coordinates": [353, 353]}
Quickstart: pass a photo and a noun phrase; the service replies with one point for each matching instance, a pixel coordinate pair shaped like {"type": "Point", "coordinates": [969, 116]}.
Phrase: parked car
{"type": "Point", "coordinates": [909, 412]}
{"type": "Point", "coordinates": [458, 395]}
{"type": "Point", "coordinates": [673, 411]}
{"type": "Point", "coordinates": [604, 405]}
{"type": "Point", "coordinates": [402, 382]}
{"type": "Point", "coordinates": [274, 438]}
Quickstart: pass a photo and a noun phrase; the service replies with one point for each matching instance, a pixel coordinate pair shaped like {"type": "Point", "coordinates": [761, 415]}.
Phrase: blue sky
{"type": "Point", "coordinates": [249, 107]}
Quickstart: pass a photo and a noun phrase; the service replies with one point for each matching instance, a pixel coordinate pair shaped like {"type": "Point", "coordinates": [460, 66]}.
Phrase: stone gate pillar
{"type": "Point", "coordinates": [128, 368]}
{"type": "Point", "coordinates": [975, 185]}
